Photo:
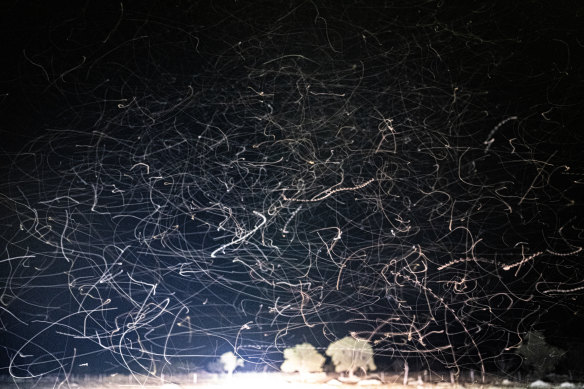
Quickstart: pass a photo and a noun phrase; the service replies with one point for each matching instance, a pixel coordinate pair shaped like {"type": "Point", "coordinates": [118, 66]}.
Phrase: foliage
{"type": "Point", "coordinates": [540, 356]}
{"type": "Point", "coordinates": [215, 366]}
{"type": "Point", "coordinates": [230, 362]}
{"type": "Point", "coordinates": [350, 354]}
{"type": "Point", "coordinates": [302, 358]}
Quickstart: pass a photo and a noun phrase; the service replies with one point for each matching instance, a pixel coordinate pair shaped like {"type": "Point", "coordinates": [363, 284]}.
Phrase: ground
{"type": "Point", "coordinates": [261, 381]}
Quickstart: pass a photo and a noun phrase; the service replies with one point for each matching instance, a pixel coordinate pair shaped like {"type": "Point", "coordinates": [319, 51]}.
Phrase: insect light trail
{"type": "Point", "coordinates": [204, 189]}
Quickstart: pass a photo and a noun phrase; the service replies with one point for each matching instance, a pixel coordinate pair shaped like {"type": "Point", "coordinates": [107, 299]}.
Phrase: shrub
{"type": "Point", "coordinates": [541, 357]}
{"type": "Point", "coordinates": [230, 362]}
{"type": "Point", "coordinates": [302, 358]}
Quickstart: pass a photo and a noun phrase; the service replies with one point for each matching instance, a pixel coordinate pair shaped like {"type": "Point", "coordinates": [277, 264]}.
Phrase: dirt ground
{"type": "Point", "coordinates": [261, 381]}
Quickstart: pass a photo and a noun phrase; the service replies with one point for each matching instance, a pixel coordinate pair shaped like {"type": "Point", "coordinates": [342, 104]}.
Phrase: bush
{"type": "Point", "coordinates": [541, 357]}
{"type": "Point", "coordinates": [302, 358]}
{"type": "Point", "coordinates": [230, 362]}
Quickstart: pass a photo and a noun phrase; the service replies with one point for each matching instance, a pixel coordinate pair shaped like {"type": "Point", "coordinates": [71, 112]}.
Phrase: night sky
{"type": "Point", "coordinates": [184, 178]}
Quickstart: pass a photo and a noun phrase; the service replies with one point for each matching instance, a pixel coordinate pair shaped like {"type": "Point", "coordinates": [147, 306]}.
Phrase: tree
{"type": "Point", "coordinates": [540, 356]}
{"type": "Point", "coordinates": [302, 358]}
{"type": "Point", "coordinates": [230, 362]}
{"type": "Point", "coordinates": [350, 354]}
